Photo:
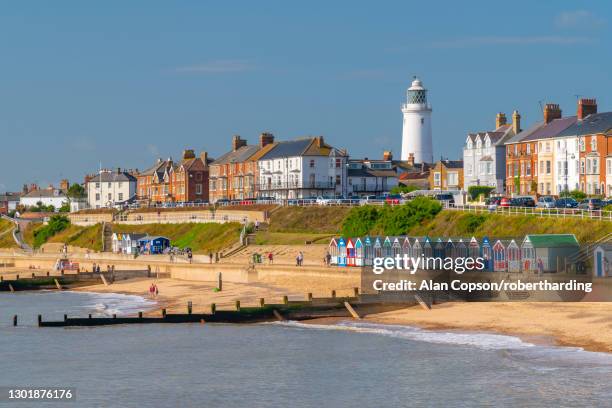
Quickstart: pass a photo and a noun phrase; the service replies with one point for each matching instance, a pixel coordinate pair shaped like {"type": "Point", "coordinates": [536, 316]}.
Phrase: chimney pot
{"type": "Point", "coordinates": [411, 159]}
{"type": "Point", "coordinates": [238, 142]}
{"type": "Point", "coordinates": [265, 139]}
{"type": "Point", "coordinates": [516, 122]}
{"type": "Point", "coordinates": [500, 120]}
{"type": "Point", "coordinates": [552, 111]}
{"type": "Point", "coordinates": [586, 107]}
{"type": "Point", "coordinates": [387, 155]}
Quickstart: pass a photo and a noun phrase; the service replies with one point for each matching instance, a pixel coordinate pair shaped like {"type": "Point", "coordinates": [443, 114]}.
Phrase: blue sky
{"type": "Point", "coordinates": [125, 82]}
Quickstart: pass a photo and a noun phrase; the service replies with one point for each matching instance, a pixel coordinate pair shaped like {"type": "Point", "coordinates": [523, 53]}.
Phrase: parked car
{"type": "Point", "coordinates": [493, 202]}
{"type": "Point", "coordinates": [393, 199]}
{"type": "Point", "coordinates": [367, 199]}
{"type": "Point", "coordinates": [505, 202]}
{"type": "Point", "coordinates": [446, 197]}
{"type": "Point", "coordinates": [546, 202]}
{"type": "Point", "coordinates": [524, 201]}
{"type": "Point", "coordinates": [591, 204]}
{"type": "Point", "coordinates": [566, 202]}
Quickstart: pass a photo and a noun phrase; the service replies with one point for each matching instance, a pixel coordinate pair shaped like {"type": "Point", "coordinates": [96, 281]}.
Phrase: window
{"type": "Point", "coordinates": [471, 145]}
{"type": "Point", "coordinates": [609, 167]}
{"type": "Point", "coordinates": [528, 148]}
{"type": "Point", "coordinates": [436, 178]}
{"type": "Point", "coordinates": [541, 167]}
{"type": "Point", "coordinates": [588, 166]}
{"type": "Point", "coordinates": [487, 142]}
{"type": "Point", "coordinates": [97, 196]}
{"type": "Point", "coordinates": [595, 166]}
{"type": "Point", "coordinates": [593, 143]}
{"type": "Point", "coordinates": [338, 179]}
{"type": "Point", "coordinates": [198, 189]}
{"type": "Point", "coordinates": [338, 163]}
{"type": "Point", "coordinates": [582, 168]}
{"type": "Point", "coordinates": [468, 169]}
{"type": "Point", "coordinates": [120, 196]}
{"type": "Point", "coordinates": [97, 185]}
{"type": "Point", "coordinates": [312, 163]}
{"type": "Point", "coordinates": [548, 167]}
{"type": "Point", "coordinates": [198, 176]}
{"type": "Point", "coordinates": [581, 144]}
{"type": "Point", "coordinates": [515, 149]}
{"type": "Point", "coordinates": [110, 196]}
{"type": "Point", "coordinates": [110, 185]}
{"type": "Point", "coordinates": [522, 168]}
{"type": "Point", "coordinates": [528, 169]}
{"type": "Point", "coordinates": [452, 178]}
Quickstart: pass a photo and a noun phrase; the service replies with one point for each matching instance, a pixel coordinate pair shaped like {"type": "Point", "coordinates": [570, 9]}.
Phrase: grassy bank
{"type": "Point", "coordinates": [6, 236]}
{"type": "Point", "coordinates": [458, 224]}
{"type": "Point", "coordinates": [312, 220]}
{"type": "Point", "coordinates": [201, 238]}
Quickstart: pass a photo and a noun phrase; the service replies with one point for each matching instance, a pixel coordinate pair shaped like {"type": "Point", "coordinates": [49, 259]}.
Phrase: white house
{"type": "Point", "coordinates": [371, 176]}
{"type": "Point", "coordinates": [48, 196]}
{"type": "Point", "coordinates": [302, 168]}
{"type": "Point", "coordinates": [110, 188]}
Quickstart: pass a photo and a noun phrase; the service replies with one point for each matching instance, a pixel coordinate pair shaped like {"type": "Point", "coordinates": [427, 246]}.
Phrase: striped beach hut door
{"type": "Point", "coordinates": [350, 252]}
{"type": "Point", "coordinates": [341, 252]}
{"type": "Point", "coordinates": [359, 261]}
{"type": "Point", "coordinates": [368, 252]}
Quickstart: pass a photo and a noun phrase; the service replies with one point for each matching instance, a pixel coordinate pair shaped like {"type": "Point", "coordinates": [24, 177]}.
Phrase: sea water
{"type": "Point", "coordinates": [282, 364]}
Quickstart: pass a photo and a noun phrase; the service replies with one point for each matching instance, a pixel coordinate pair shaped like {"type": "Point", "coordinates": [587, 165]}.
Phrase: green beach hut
{"type": "Point", "coordinates": [548, 252]}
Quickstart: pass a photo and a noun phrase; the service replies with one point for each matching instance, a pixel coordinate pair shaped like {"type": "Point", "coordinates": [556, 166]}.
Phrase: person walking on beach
{"type": "Point", "coordinates": [156, 291]}
{"type": "Point", "coordinates": [270, 258]}
{"type": "Point", "coordinates": [301, 258]}
{"type": "Point", "coordinates": [327, 258]}
{"type": "Point", "coordinates": [540, 266]}
{"type": "Point", "coordinates": [151, 290]}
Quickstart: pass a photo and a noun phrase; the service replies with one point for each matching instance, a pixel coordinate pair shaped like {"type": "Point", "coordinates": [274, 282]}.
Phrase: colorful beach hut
{"type": "Point", "coordinates": [359, 258]}
{"type": "Point", "coordinates": [513, 256]}
{"type": "Point", "coordinates": [406, 247]}
{"type": "Point", "coordinates": [341, 252]}
{"type": "Point", "coordinates": [417, 249]}
{"type": "Point", "coordinates": [449, 249]}
{"type": "Point", "coordinates": [474, 248]}
{"type": "Point", "coordinates": [461, 250]}
{"type": "Point", "coordinates": [486, 252]}
{"type": "Point", "coordinates": [500, 263]}
{"type": "Point", "coordinates": [438, 249]}
{"type": "Point", "coordinates": [153, 245]}
{"type": "Point", "coordinates": [387, 248]}
{"type": "Point", "coordinates": [333, 251]}
{"type": "Point", "coordinates": [368, 251]}
{"type": "Point", "coordinates": [397, 247]}
{"type": "Point", "coordinates": [350, 252]}
{"type": "Point", "coordinates": [378, 250]}
{"type": "Point", "coordinates": [427, 249]}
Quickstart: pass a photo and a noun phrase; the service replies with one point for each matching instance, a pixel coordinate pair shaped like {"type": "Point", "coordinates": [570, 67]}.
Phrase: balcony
{"type": "Point", "coordinates": [314, 185]}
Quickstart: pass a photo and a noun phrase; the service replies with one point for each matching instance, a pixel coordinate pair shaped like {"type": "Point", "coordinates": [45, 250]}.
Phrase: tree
{"type": "Point", "coordinates": [475, 191]}
{"type": "Point", "coordinates": [65, 207]}
{"type": "Point", "coordinates": [75, 191]}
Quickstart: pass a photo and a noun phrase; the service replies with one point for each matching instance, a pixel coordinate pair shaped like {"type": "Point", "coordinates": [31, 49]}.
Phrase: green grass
{"type": "Point", "coordinates": [315, 220]}
{"type": "Point", "coordinates": [200, 237]}
{"type": "Point", "coordinates": [458, 224]}
{"type": "Point", "coordinates": [83, 237]}
{"type": "Point", "coordinates": [290, 238]}
{"type": "Point", "coordinates": [6, 236]}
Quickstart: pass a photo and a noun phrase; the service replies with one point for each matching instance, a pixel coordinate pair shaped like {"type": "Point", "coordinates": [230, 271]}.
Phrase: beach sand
{"type": "Point", "coordinates": [581, 324]}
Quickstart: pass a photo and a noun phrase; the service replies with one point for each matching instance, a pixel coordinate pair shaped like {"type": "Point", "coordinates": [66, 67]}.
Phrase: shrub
{"type": "Point", "coordinates": [475, 191]}
{"type": "Point", "coordinates": [401, 189]}
{"type": "Point", "coordinates": [56, 224]}
{"type": "Point", "coordinates": [360, 221]}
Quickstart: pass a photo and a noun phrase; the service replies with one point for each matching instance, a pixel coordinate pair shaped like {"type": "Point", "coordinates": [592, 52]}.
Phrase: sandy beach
{"type": "Point", "coordinates": [582, 324]}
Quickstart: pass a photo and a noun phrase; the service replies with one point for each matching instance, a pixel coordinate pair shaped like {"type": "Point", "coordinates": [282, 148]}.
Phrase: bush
{"type": "Point", "coordinates": [390, 220]}
{"type": "Point", "coordinates": [470, 223]}
{"type": "Point", "coordinates": [57, 223]}
{"type": "Point", "coordinates": [575, 194]}
{"type": "Point", "coordinates": [475, 191]}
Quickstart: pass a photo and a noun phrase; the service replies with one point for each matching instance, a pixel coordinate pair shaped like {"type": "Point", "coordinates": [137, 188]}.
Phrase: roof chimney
{"type": "Point", "coordinates": [188, 154]}
{"type": "Point", "coordinates": [410, 159]}
{"type": "Point", "coordinates": [516, 122]}
{"type": "Point", "coordinates": [551, 112]}
{"type": "Point", "coordinates": [266, 139]}
{"type": "Point", "coordinates": [387, 155]}
{"type": "Point", "coordinates": [238, 142]}
{"type": "Point", "coordinates": [500, 120]}
{"type": "Point", "coordinates": [586, 107]}
{"type": "Point", "coordinates": [204, 158]}
{"type": "Point", "coordinates": [320, 141]}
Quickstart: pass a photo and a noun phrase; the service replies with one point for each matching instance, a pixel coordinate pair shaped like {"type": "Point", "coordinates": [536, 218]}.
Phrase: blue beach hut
{"type": "Point", "coordinates": [341, 252]}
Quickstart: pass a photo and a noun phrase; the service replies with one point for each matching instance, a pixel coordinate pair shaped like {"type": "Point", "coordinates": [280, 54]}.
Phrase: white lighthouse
{"type": "Point", "coordinates": [416, 132]}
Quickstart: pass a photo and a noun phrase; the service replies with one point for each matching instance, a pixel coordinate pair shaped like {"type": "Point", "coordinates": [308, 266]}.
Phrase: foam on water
{"type": "Point", "coordinates": [107, 304]}
{"type": "Point", "coordinates": [481, 340]}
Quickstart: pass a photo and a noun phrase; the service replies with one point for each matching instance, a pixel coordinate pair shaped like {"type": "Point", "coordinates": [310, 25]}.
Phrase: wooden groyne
{"type": "Point", "coordinates": [313, 308]}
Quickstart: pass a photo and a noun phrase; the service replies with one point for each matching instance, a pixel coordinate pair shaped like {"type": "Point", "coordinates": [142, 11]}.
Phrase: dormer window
{"type": "Point", "coordinates": [478, 144]}
{"type": "Point", "coordinates": [487, 142]}
{"type": "Point", "coordinates": [470, 144]}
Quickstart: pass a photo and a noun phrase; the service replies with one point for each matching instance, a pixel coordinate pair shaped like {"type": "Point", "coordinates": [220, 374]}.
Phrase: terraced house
{"type": "Point", "coordinates": [302, 168]}
{"type": "Point", "coordinates": [168, 181]}
{"type": "Point", "coordinates": [234, 175]}
{"type": "Point", "coordinates": [484, 154]}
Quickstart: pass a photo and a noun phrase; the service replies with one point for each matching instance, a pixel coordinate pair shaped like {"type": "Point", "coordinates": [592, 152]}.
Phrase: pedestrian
{"type": "Point", "coordinates": [151, 290]}
{"type": "Point", "coordinates": [327, 258]}
{"type": "Point", "coordinates": [210, 257]}
{"type": "Point", "coordinates": [270, 258]}
{"type": "Point", "coordinates": [190, 256]}
{"type": "Point", "coordinates": [156, 291]}
{"type": "Point", "coordinates": [301, 258]}
{"type": "Point", "coordinates": [297, 260]}
{"type": "Point", "coordinates": [256, 225]}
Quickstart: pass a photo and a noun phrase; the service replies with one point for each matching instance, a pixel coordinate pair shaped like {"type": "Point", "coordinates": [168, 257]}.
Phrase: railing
{"type": "Point", "coordinates": [540, 212]}
{"type": "Point", "coordinates": [320, 185]}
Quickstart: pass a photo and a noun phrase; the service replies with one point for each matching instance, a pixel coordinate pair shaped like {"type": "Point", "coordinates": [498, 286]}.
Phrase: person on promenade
{"type": "Point", "coordinates": [190, 256]}
{"type": "Point", "coordinates": [151, 290]}
{"type": "Point", "coordinates": [156, 290]}
{"type": "Point", "coordinates": [270, 258]}
{"type": "Point", "coordinates": [256, 225]}
{"type": "Point", "coordinates": [210, 257]}
{"type": "Point", "coordinates": [301, 258]}
{"type": "Point", "coordinates": [540, 266]}
{"type": "Point", "coordinates": [327, 258]}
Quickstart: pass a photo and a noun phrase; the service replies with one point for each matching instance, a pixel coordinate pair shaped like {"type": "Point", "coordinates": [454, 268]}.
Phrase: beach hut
{"type": "Point", "coordinates": [341, 252]}
{"type": "Point", "coordinates": [461, 250]}
{"type": "Point", "coordinates": [500, 263]}
{"type": "Point", "coordinates": [486, 252]}
{"type": "Point", "coordinates": [406, 247]}
{"type": "Point", "coordinates": [359, 258]}
{"type": "Point", "coordinates": [474, 248]}
{"type": "Point", "coordinates": [378, 251]}
{"type": "Point", "coordinates": [350, 252]}
{"type": "Point", "coordinates": [449, 248]}
{"type": "Point", "coordinates": [153, 245]}
{"type": "Point", "coordinates": [417, 249]}
{"type": "Point", "coordinates": [427, 249]}
{"type": "Point", "coordinates": [333, 251]}
{"type": "Point", "coordinates": [397, 247]}
{"type": "Point", "coordinates": [602, 256]}
{"type": "Point", "coordinates": [126, 243]}
{"type": "Point", "coordinates": [513, 256]}
{"type": "Point", "coordinates": [548, 252]}
{"type": "Point", "coordinates": [387, 248]}
{"type": "Point", "coordinates": [438, 249]}
{"type": "Point", "coordinates": [368, 251]}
